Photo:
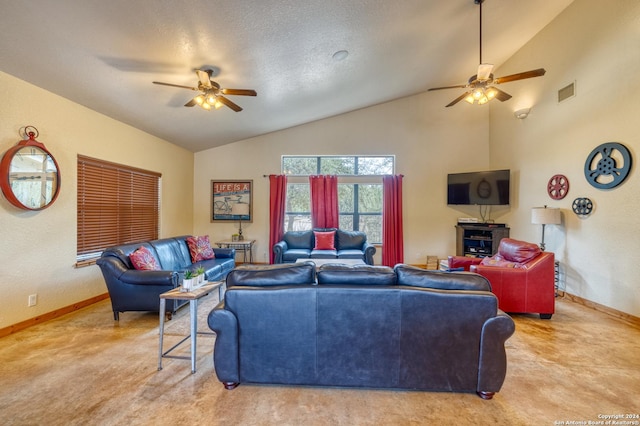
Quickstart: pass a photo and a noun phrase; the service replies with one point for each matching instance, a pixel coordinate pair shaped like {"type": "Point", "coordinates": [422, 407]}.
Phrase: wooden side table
{"type": "Point", "coordinates": [244, 246]}
{"type": "Point", "coordinates": [193, 297]}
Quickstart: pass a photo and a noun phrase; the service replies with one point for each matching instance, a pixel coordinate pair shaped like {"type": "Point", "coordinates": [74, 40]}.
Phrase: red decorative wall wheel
{"type": "Point", "coordinates": [558, 187]}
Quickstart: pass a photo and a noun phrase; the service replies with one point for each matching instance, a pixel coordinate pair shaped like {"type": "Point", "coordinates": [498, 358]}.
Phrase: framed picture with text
{"type": "Point", "coordinates": [231, 200]}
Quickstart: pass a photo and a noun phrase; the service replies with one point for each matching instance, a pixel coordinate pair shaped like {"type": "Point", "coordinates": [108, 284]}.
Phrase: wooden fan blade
{"type": "Point", "coordinates": [241, 92]}
{"type": "Point", "coordinates": [500, 95]}
{"type": "Point", "coordinates": [175, 85]}
{"type": "Point", "coordinates": [205, 78]}
{"type": "Point", "coordinates": [191, 103]}
{"type": "Point", "coordinates": [230, 104]}
{"type": "Point", "coordinates": [459, 86]}
{"type": "Point", "coordinates": [520, 76]}
{"type": "Point", "coordinates": [458, 99]}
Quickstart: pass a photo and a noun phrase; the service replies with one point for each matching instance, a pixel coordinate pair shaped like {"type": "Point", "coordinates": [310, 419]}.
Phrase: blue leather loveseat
{"type": "Point", "coordinates": [135, 290]}
{"type": "Point", "coordinates": [302, 245]}
{"type": "Point", "coordinates": [360, 326]}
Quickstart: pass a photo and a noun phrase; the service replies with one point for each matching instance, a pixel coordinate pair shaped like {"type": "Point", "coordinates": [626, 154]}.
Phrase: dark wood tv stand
{"type": "Point", "coordinates": [479, 239]}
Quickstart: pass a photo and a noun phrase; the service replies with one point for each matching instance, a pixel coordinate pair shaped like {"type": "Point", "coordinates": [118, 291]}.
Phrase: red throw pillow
{"type": "Point", "coordinates": [143, 260]}
{"type": "Point", "coordinates": [324, 240]}
{"type": "Point", "coordinates": [200, 248]}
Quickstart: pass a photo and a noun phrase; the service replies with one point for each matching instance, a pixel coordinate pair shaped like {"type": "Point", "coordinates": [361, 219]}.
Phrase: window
{"type": "Point", "coordinates": [116, 205]}
{"type": "Point", "coordinates": [359, 190]}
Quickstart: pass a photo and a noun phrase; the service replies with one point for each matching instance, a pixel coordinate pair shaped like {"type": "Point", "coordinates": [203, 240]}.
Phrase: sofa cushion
{"type": "Point", "coordinates": [323, 254]}
{"type": "Point", "coordinates": [517, 251]}
{"type": "Point", "coordinates": [324, 240]}
{"type": "Point", "coordinates": [299, 239]}
{"type": "Point", "coordinates": [350, 240]}
{"type": "Point", "coordinates": [356, 275]}
{"type": "Point", "coordinates": [350, 254]}
{"type": "Point", "coordinates": [418, 277]}
{"type": "Point", "coordinates": [143, 260]}
{"type": "Point", "coordinates": [294, 254]}
{"type": "Point", "coordinates": [499, 261]}
{"type": "Point", "coordinates": [168, 254]}
{"type": "Point", "coordinates": [273, 275]}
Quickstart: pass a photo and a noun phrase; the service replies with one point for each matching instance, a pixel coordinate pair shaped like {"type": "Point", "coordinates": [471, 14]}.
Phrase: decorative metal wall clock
{"type": "Point", "coordinates": [30, 177]}
{"type": "Point", "coordinates": [558, 187]}
{"type": "Point", "coordinates": [608, 165]}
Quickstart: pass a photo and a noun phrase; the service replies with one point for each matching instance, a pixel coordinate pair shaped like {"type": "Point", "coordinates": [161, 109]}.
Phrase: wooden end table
{"type": "Point", "coordinates": [193, 297]}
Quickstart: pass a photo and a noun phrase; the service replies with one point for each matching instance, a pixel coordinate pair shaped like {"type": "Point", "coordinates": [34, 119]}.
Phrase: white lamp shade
{"type": "Point", "coordinates": [545, 216]}
{"type": "Point", "coordinates": [240, 209]}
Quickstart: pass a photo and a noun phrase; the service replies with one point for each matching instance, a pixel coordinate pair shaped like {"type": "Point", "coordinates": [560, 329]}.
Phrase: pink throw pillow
{"type": "Point", "coordinates": [200, 248]}
{"type": "Point", "coordinates": [324, 240]}
{"type": "Point", "coordinates": [143, 260]}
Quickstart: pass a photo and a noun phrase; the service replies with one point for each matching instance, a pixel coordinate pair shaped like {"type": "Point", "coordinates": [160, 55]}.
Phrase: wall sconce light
{"type": "Point", "coordinates": [521, 114]}
{"type": "Point", "coordinates": [545, 216]}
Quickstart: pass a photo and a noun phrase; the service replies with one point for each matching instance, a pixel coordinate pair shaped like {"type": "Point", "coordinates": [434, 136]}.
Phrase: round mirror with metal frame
{"type": "Point", "coordinates": [30, 176]}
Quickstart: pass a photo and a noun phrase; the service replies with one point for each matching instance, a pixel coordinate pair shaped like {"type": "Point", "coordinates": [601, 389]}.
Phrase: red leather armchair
{"type": "Point", "coordinates": [521, 276]}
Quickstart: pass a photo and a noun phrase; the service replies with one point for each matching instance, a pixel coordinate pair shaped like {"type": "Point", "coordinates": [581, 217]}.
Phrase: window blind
{"type": "Point", "coordinates": [117, 204]}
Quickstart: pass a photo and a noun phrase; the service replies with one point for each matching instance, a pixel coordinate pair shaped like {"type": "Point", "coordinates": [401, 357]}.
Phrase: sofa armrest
{"type": "Point", "coordinates": [492, 365]}
{"type": "Point", "coordinates": [279, 249]}
{"type": "Point", "coordinates": [464, 262]}
{"type": "Point", "coordinates": [369, 250]}
{"type": "Point", "coordinates": [114, 270]}
{"type": "Point", "coordinates": [159, 278]}
{"type": "Point", "coordinates": [226, 356]}
{"type": "Point", "coordinates": [225, 253]}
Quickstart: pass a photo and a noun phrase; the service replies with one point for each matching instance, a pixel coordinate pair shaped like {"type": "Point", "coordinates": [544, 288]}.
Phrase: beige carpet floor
{"type": "Point", "coordinates": [86, 369]}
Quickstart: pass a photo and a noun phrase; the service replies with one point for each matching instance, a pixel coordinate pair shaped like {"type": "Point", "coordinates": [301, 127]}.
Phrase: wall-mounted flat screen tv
{"type": "Point", "coordinates": [479, 188]}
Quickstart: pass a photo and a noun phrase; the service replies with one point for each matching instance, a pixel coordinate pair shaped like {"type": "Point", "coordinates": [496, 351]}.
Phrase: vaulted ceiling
{"type": "Point", "coordinates": [105, 54]}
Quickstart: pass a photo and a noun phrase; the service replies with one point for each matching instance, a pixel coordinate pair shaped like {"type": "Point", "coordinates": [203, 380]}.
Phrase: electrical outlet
{"type": "Point", "coordinates": [33, 299]}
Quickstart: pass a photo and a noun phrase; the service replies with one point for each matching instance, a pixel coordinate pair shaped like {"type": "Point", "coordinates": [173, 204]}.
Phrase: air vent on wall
{"type": "Point", "coordinates": [567, 92]}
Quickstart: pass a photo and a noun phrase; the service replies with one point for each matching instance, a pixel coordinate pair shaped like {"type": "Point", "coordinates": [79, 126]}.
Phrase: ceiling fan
{"type": "Point", "coordinates": [480, 86]}
{"type": "Point", "coordinates": [212, 94]}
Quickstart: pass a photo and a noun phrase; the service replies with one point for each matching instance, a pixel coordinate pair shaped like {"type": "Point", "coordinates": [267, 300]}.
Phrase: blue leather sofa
{"type": "Point", "coordinates": [300, 245]}
{"type": "Point", "coordinates": [360, 326]}
{"type": "Point", "coordinates": [134, 290]}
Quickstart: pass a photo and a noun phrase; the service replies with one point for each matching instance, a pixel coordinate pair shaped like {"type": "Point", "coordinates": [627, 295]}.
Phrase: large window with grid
{"type": "Point", "coordinates": [117, 204]}
{"type": "Point", "coordinates": [359, 190]}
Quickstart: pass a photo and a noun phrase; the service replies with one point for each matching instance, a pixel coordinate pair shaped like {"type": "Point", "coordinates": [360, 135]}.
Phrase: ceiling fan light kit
{"type": "Point", "coordinates": [479, 87]}
{"type": "Point", "coordinates": [481, 95]}
{"type": "Point", "coordinates": [212, 94]}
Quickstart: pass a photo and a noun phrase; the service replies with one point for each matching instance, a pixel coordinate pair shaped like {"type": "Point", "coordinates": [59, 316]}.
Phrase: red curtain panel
{"type": "Point", "coordinates": [324, 201]}
{"type": "Point", "coordinates": [277, 200]}
{"type": "Point", "coordinates": [392, 236]}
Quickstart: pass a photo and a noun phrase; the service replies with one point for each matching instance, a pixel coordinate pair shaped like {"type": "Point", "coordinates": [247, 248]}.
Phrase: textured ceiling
{"type": "Point", "coordinates": [105, 54]}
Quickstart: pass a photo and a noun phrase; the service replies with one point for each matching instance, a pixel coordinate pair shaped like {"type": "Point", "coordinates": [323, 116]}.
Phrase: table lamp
{"type": "Point", "coordinates": [240, 209]}
{"type": "Point", "coordinates": [545, 216]}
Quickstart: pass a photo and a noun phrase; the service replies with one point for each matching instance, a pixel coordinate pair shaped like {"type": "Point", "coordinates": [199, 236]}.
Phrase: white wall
{"type": "Point", "coordinates": [597, 45]}
{"type": "Point", "coordinates": [38, 249]}
{"type": "Point", "coordinates": [427, 139]}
